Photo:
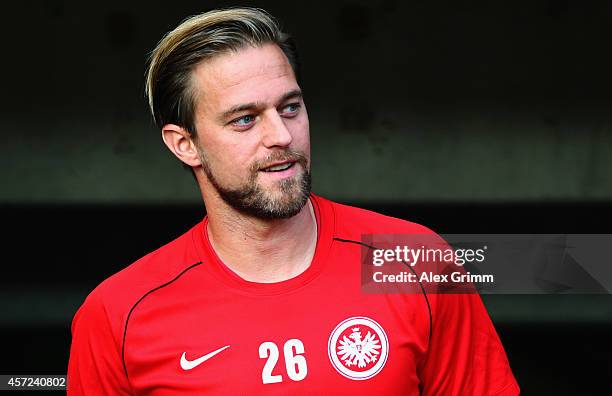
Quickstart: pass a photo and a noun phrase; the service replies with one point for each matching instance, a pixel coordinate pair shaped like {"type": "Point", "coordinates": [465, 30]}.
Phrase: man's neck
{"type": "Point", "coordinates": [263, 251]}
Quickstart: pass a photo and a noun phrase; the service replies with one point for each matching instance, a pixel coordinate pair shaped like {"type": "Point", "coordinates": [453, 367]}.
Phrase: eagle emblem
{"type": "Point", "coordinates": [358, 348]}
{"type": "Point", "coordinates": [355, 351]}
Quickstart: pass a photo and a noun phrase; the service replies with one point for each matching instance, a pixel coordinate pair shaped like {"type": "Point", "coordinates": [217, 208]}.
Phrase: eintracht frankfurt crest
{"type": "Point", "coordinates": [358, 348]}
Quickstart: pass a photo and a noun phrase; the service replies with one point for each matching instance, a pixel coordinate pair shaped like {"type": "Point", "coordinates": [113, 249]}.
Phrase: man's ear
{"type": "Point", "coordinates": [180, 142]}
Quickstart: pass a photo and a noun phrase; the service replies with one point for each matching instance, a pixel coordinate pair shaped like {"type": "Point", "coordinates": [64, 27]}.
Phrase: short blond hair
{"type": "Point", "coordinates": [168, 80]}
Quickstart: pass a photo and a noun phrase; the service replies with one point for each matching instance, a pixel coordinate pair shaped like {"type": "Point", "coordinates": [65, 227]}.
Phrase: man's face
{"type": "Point", "coordinates": [253, 133]}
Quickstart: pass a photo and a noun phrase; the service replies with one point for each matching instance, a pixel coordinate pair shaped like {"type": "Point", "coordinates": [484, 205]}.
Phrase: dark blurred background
{"type": "Point", "coordinates": [465, 116]}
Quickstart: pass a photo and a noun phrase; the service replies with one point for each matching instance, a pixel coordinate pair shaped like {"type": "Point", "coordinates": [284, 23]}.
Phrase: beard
{"type": "Point", "coordinates": [284, 200]}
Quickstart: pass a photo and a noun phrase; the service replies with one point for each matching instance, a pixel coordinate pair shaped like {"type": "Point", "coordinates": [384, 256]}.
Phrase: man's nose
{"type": "Point", "coordinates": [275, 132]}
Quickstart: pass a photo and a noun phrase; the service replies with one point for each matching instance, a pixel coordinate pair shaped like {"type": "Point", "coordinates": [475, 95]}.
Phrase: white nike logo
{"type": "Point", "coordinates": [188, 365]}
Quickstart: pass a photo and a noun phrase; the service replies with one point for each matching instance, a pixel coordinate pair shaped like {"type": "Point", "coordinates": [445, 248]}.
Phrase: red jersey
{"type": "Point", "coordinates": [180, 322]}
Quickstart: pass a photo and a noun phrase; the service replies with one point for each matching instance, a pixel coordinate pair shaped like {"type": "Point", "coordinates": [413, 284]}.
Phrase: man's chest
{"type": "Point", "coordinates": [325, 340]}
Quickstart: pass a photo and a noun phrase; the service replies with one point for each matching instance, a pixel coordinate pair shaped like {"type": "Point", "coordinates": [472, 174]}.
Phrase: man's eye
{"type": "Point", "coordinates": [243, 121]}
{"type": "Point", "coordinates": [291, 109]}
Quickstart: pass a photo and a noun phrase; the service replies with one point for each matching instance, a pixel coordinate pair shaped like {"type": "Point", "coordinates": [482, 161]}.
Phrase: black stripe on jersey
{"type": "Point", "coordinates": [138, 302]}
{"type": "Point", "coordinates": [411, 269]}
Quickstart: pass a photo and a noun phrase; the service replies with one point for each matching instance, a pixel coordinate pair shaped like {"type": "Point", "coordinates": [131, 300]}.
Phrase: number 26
{"type": "Point", "coordinates": [294, 361]}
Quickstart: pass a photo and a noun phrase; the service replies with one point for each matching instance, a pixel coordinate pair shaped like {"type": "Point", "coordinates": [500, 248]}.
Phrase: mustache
{"type": "Point", "coordinates": [278, 156]}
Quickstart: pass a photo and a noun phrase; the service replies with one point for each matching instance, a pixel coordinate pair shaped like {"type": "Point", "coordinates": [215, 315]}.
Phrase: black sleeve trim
{"type": "Point", "coordinates": [411, 269]}
{"type": "Point", "coordinates": [138, 302]}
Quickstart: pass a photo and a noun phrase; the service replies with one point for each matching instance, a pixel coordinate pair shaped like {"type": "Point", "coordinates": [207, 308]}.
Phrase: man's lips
{"type": "Point", "coordinates": [278, 166]}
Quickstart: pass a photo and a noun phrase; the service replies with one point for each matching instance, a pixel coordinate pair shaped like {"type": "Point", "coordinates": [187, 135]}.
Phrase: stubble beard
{"type": "Point", "coordinates": [287, 198]}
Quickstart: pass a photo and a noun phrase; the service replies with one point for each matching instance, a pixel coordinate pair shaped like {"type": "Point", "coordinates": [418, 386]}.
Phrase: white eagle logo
{"type": "Point", "coordinates": [355, 351]}
{"type": "Point", "coordinates": [354, 355]}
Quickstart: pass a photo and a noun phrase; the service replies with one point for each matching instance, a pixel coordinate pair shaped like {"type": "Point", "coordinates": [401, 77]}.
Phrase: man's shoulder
{"type": "Point", "coordinates": [352, 220]}
{"type": "Point", "coordinates": [121, 291]}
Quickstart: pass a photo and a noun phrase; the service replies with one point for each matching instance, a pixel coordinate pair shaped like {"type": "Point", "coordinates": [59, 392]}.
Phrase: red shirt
{"type": "Point", "coordinates": [179, 321]}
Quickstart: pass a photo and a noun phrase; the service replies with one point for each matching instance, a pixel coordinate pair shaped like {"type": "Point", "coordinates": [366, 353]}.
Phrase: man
{"type": "Point", "coordinates": [263, 296]}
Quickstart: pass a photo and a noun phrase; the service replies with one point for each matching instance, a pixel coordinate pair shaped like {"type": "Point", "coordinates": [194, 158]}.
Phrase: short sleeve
{"type": "Point", "coordinates": [95, 366]}
{"type": "Point", "coordinates": [465, 356]}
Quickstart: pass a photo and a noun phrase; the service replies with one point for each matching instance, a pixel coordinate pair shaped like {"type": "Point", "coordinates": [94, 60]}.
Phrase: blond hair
{"type": "Point", "coordinates": [168, 81]}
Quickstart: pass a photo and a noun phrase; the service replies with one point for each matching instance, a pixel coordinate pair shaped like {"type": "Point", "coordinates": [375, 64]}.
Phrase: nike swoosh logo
{"type": "Point", "coordinates": [189, 364]}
